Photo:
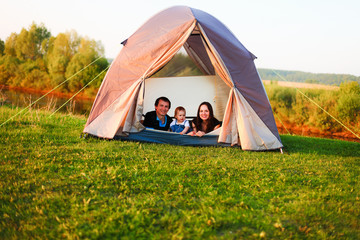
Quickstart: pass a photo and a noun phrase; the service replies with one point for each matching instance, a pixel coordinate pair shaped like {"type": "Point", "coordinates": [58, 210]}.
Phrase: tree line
{"type": "Point", "coordinates": [35, 59]}
{"type": "Point", "coordinates": [298, 76]}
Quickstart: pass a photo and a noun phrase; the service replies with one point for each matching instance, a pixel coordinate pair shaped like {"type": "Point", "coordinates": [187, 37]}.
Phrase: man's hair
{"type": "Point", "coordinates": [165, 99]}
{"type": "Point", "coordinates": [178, 109]}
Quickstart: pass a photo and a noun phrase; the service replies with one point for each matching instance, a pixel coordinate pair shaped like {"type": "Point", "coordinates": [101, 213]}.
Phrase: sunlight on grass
{"type": "Point", "coordinates": [55, 184]}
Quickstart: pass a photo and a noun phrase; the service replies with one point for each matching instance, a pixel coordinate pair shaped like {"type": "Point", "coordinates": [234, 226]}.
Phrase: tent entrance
{"type": "Point", "coordinates": [188, 92]}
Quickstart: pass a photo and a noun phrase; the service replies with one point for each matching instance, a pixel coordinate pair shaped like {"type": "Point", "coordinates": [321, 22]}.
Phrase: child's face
{"type": "Point", "coordinates": [180, 116]}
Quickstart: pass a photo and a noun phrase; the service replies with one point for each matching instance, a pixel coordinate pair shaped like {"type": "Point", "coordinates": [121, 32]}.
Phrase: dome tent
{"type": "Point", "coordinates": [246, 113]}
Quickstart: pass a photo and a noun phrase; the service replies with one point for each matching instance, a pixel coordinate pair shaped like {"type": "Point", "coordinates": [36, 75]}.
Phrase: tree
{"type": "Point", "coordinates": [9, 66]}
{"type": "Point", "coordinates": [179, 65]}
{"type": "Point", "coordinates": [348, 105]}
{"type": "Point", "coordinates": [89, 51]}
{"type": "Point", "coordinates": [29, 42]}
{"type": "Point", "coordinates": [60, 51]}
{"type": "Point", "coordinates": [2, 47]}
{"type": "Point", "coordinates": [42, 36]}
{"type": "Point", "coordinates": [10, 45]}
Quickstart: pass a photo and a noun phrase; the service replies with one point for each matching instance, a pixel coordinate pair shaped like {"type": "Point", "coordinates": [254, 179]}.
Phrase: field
{"type": "Point", "coordinates": [54, 184]}
{"type": "Point", "coordinates": [302, 85]}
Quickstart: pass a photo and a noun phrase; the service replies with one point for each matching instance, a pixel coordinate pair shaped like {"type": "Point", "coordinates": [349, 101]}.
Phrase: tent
{"type": "Point", "coordinates": [231, 82]}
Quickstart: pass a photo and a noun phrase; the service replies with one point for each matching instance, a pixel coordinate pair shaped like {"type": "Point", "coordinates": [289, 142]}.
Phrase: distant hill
{"type": "Point", "coordinates": [306, 77]}
{"type": "Point", "coordinates": [265, 74]}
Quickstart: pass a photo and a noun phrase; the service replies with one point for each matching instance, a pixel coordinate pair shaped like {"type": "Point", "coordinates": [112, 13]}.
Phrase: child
{"type": "Point", "coordinates": [180, 124]}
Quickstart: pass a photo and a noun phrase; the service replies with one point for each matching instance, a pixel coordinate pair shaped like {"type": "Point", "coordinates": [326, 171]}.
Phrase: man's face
{"type": "Point", "coordinates": [162, 108]}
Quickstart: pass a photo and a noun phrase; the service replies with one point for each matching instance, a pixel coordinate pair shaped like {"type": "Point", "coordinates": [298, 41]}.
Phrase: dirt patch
{"type": "Point", "coordinates": [315, 132]}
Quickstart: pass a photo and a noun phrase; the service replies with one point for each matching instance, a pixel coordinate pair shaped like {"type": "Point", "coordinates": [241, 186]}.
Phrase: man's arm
{"type": "Point", "coordinates": [147, 120]}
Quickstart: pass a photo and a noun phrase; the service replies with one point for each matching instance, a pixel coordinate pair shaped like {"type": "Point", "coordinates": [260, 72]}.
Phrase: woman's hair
{"type": "Point", "coordinates": [178, 109]}
{"type": "Point", "coordinates": [210, 123]}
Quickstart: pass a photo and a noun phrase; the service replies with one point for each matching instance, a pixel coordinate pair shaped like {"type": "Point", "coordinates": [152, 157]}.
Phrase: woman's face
{"type": "Point", "coordinates": [204, 112]}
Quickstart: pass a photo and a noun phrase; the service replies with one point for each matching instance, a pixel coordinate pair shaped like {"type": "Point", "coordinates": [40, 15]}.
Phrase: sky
{"type": "Point", "coordinates": [318, 36]}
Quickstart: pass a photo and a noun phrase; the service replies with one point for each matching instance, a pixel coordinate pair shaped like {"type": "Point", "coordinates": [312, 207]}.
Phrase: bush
{"type": "Point", "coordinates": [348, 104]}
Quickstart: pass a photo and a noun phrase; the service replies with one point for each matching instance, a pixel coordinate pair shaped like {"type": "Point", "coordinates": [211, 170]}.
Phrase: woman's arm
{"type": "Point", "coordinates": [217, 126]}
{"type": "Point", "coordinates": [192, 133]}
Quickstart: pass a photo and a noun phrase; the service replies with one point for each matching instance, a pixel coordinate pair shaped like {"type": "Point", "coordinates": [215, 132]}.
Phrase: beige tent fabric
{"type": "Point", "coordinates": [253, 133]}
{"type": "Point", "coordinates": [134, 124]}
{"type": "Point", "coordinates": [149, 48]}
{"type": "Point", "coordinates": [240, 121]}
{"type": "Point", "coordinates": [221, 97]}
{"type": "Point", "coordinates": [105, 124]}
{"type": "Point", "coordinates": [169, 53]}
{"type": "Point", "coordinates": [229, 132]}
{"type": "Point", "coordinates": [113, 119]}
{"type": "Point", "coordinates": [244, 127]}
{"type": "Point", "coordinates": [134, 116]}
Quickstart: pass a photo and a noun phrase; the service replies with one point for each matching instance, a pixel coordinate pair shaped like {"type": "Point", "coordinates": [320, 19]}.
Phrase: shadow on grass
{"type": "Point", "coordinates": [323, 146]}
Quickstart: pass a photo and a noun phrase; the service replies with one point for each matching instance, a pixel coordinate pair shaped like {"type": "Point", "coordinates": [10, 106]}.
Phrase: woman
{"type": "Point", "coordinates": [205, 121]}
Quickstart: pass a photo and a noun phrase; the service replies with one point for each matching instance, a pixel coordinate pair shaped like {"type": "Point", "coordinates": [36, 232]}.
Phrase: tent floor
{"type": "Point", "coordinates": [156, 136]}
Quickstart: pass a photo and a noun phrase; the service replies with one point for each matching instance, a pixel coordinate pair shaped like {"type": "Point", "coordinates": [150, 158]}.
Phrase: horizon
{"type": "Point", "coordinates": [313, 37]}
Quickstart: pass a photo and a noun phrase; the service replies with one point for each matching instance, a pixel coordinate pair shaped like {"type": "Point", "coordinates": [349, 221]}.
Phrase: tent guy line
{"type": "Point", "coordinates": [79, 91]}
{"type": "Point", "coordinates": [316, 104]}
{"type": "Point", "coordinates": [51, 90]}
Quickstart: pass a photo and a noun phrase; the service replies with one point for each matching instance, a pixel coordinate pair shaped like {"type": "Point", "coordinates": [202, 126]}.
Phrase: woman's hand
{"type": "Point", "coordinates": [192, 133]}
{"type": "Point", "coordinates": [200, 133]}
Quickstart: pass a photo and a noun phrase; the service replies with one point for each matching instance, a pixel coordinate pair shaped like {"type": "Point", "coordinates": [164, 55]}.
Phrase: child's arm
{"type": "Point", "coordinates": [186, 129]}
{"type": "Point", "coordinates": [192, 133]}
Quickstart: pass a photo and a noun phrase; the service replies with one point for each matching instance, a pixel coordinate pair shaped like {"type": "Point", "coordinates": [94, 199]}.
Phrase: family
{"type": "Point", "coordinates": [203, 123]}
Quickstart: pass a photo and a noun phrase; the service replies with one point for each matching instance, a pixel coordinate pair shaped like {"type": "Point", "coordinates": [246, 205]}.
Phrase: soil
{"type": "Point", "coordinates": [315, 132]}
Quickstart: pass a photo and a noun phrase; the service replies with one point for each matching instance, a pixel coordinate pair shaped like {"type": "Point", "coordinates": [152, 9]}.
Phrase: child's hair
{"type": "Point", "coordinates": [178, 109]}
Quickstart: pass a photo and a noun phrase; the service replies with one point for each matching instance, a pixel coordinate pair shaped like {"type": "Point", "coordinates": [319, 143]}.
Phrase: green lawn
{"type": "Point", "coordinates": [54, 184]}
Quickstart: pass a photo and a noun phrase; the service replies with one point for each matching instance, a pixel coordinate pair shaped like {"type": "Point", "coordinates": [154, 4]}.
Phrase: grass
{"type": "Point", "coordinates": [54, 184]}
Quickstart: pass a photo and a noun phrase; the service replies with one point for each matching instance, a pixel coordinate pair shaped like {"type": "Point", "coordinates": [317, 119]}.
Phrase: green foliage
{"type": "Point", "coordinates": [86, 54]}
{"type": "Point", "coordinates": [54, 184]}
{"type": "Point", "coordinates": [301, 110]}
{"type": "Point", "coordinates": [319, 118]}
{"type": "Point", "coordinates": [8, 69]}
{"type": "Point", "coordinates": [311, 81]}
{"type": "Point", "coordinates": [2, 47]}
{"type": "Point", "coordinates": [348, 104]}
{"type": "Point", "coordinates": [35, 59]}
{"type": "Point", "coordinates": [28, 42]}
{"type": "Point", "coordinates": [179, 65]}
{"type": "Point", "coordinates": [10, 45]}
{"type": "Point", "coordinates": [61, 51]}
{"type": "Point", "coordinates": [293, 108]}
{"type": "Point", "coordinates": [283, 96]}
{"type": "Point", "coordinates": [34, 75]}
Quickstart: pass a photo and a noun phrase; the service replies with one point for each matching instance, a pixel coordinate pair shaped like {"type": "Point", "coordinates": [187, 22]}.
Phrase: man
{"type": "Point", "coordinates": [159, 119]}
